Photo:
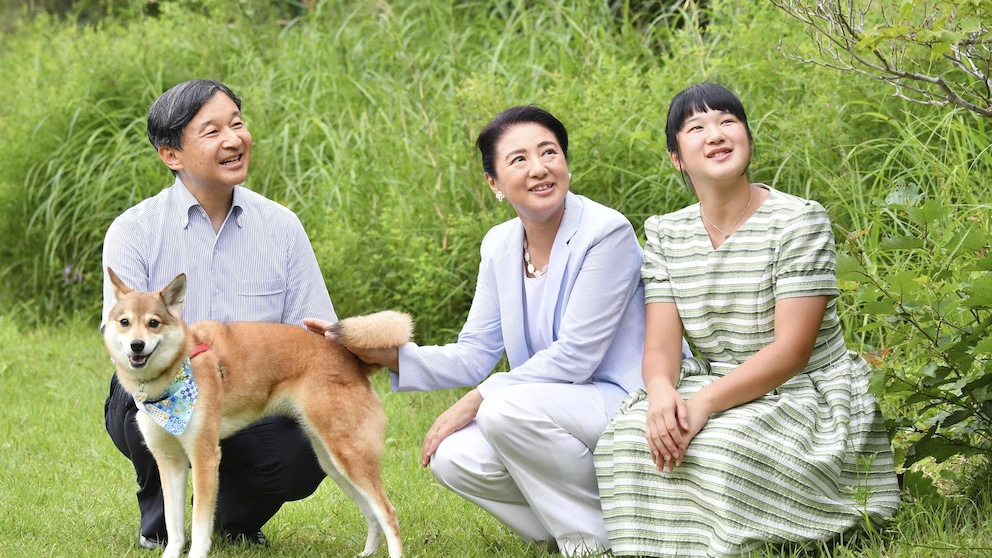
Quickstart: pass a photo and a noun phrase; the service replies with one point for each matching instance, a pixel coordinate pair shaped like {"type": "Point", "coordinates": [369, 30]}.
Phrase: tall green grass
{"type": "Point", "coordinates": [364, 116]}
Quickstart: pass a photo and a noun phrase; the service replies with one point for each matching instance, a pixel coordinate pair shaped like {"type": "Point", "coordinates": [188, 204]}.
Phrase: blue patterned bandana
{"type": "Point", "coordinates": [173, 409]}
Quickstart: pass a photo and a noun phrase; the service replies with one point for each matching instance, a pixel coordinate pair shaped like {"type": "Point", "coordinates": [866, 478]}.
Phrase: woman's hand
{"type": "Point", "coordinates": [450, 421]}
{"type": "Point", "coordinates": [697, 415]}
{"type": "Point", "coordinates": [390, 358]}
{"type": "Point", "coordinates": [322, 327]}
{"type": "Point", "coordinates": [666, 423]}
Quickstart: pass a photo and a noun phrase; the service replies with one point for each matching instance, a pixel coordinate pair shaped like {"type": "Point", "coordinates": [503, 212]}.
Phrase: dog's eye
{"type": "Point", "coordinates": [153, 323]}
{"type": "Point", "coordinates": [124, 322]}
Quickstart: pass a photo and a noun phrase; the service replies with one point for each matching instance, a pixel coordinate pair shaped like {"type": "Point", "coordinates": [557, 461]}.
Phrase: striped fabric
{"type": "Point", "coordinates": [806, 462]}
{"type": "Point", "coordinates": [259, 267]}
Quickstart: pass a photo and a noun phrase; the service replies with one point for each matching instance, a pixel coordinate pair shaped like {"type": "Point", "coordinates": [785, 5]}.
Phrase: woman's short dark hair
{"type": "Point", "coordinates": [701, 97]}
{"type": "Point", "coordinates": [171, 112]}
{"type": "Point", "coordinates": [491, 134]}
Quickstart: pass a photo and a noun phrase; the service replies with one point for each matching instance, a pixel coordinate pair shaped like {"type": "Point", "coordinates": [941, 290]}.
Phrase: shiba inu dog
{"type": "Point", "coordinates": [238, 373]}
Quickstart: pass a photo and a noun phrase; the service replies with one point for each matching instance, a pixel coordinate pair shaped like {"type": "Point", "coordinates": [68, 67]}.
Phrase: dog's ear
{"type": "Point", "coordinates": [174, 295]}
{"type": "Point", "coordinates": [119, 287]}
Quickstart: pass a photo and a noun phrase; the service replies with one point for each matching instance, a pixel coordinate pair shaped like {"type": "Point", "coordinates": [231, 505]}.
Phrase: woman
{"type": "Point", "coordinates": [559, 291]}
{"type": "Point", "coordinates": [772, 436]}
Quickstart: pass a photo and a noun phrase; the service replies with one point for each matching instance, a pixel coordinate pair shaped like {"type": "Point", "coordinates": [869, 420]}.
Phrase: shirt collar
{"type": "Point", "coordinates": [185, 202]}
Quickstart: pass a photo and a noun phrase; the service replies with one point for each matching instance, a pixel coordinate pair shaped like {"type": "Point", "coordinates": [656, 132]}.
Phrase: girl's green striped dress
{"type": "Point", "coordinates": [806, 462]}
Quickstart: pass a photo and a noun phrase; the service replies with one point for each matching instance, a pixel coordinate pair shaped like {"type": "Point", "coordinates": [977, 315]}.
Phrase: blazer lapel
{"type": "Point", "coordinates": [509, 282]}
{"type": "Point", "coordinates": [554, 290]}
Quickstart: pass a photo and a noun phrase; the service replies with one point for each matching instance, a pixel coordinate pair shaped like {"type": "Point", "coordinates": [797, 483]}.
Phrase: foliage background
{"type": "Point", "coordinates": [364, 115]}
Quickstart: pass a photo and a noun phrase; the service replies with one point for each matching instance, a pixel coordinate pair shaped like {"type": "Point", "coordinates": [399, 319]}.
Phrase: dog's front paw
{"type": "Point", "coordinates": [173, 550]}
{"type": "Point", "coordinates": [199, 549]}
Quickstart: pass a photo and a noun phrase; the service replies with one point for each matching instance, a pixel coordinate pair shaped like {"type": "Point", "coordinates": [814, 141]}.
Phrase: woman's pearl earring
{"type": "Point", "coordinates": [499, 195]}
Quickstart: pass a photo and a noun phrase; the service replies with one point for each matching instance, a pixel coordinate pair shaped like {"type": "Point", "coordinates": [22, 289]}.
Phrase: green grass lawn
{"type": "Point", "coordinates": [66, 491]}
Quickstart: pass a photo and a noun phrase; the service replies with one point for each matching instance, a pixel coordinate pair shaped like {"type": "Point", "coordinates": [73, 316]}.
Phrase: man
{"type": "Point", "coordinates": [246, 258]}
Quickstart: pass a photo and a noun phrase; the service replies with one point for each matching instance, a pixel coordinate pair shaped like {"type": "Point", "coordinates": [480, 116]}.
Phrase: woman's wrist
{"type": "Point", "coordinates": [659, 385]}
{"type": "Point", "coordinates": [704, 400]}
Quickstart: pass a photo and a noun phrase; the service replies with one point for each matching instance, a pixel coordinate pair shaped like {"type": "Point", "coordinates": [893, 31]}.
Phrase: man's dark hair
{"type": "Point", "coordinates": [171, 112]}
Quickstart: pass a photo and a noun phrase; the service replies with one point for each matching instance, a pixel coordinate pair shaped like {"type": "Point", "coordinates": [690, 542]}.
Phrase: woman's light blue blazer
{"type": "Point", "coordinates": [597, 319]}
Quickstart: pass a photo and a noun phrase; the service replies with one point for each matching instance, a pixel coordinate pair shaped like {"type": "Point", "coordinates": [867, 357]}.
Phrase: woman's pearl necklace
{"type": "Point", "coordinates": [530, 267]}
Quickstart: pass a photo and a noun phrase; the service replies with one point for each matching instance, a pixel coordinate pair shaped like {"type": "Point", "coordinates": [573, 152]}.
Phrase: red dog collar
{"type": "Point", "coordinates": [199, 348]}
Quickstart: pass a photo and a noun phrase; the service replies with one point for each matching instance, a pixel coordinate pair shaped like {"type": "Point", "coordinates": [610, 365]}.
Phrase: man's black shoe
{"type": "Point", "coordinates": [150, 544]}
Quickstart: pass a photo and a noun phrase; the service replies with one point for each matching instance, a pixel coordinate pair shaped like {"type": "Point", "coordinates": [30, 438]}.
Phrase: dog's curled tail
{"type": "Point", "coordinates": [380, 330]}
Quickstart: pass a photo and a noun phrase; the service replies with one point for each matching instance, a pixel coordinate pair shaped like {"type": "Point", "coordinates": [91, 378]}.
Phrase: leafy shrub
{"type": "Point", "coordinates": [917, 266]}
{"type": "Point", "coordinates": [935, 313]}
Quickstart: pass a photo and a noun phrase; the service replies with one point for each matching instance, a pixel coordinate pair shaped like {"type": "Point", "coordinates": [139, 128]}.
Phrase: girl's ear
{"type": "Point", "coordinates": [676, 161]}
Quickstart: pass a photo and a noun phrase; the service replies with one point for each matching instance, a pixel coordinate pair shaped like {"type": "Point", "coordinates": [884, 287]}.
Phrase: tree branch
{"type": "Point", "coordinates": [934, 53]}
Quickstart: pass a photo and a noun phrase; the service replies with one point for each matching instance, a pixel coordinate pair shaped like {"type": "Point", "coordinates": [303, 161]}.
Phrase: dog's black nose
{"type": "Point", "coordinates": [137, 346]}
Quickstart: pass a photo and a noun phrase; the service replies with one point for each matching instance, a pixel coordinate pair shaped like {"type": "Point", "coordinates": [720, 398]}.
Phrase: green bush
{"type": "Point", "coordinates": [935, 312]}
{"type": "Point", "coordinates": [917, 265]}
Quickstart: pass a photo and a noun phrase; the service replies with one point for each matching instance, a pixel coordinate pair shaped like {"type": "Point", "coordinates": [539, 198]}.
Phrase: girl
{"type": "Point", "coordinates": [771, 435]}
